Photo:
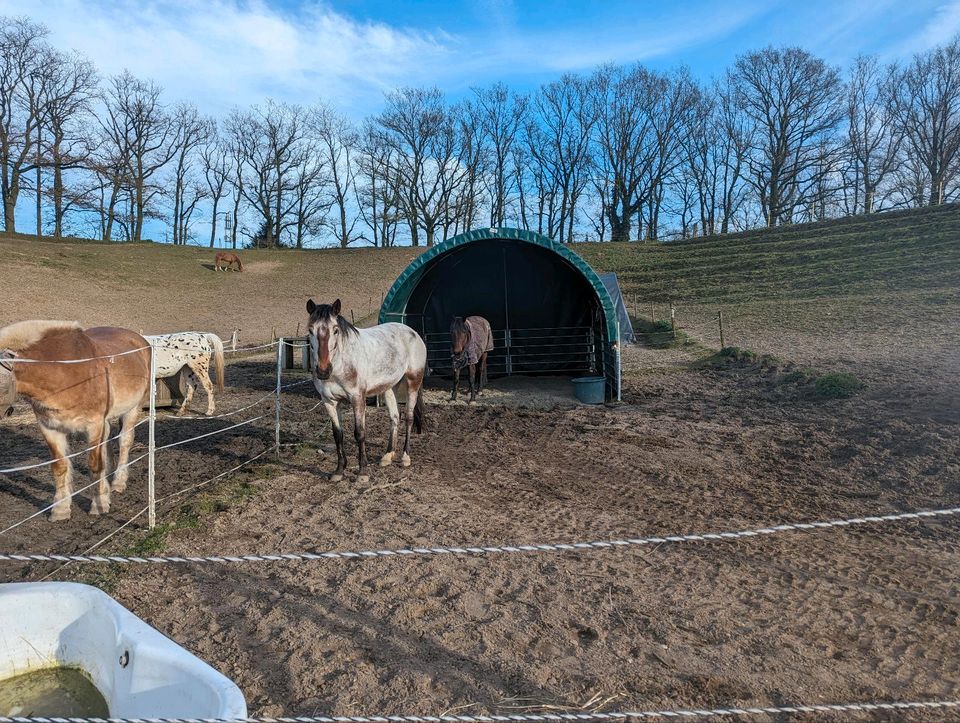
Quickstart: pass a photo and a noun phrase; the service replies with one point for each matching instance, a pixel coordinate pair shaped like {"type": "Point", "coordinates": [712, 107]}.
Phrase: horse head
{"type": "Point", "coordinates": [8, 383]}
{"type": "Point", "coordinates": [459, 338]}
{"type": "Point", "coordinates": [327, 332]}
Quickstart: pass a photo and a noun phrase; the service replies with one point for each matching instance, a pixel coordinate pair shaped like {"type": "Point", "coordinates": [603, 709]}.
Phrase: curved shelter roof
{"type": "Point", "coordinates": [525, 258]}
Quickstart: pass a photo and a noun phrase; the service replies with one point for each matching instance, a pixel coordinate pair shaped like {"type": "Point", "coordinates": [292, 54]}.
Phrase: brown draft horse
{"type": "Point", "coordinates": [84, 397]}
{"type": "Point", "coordinates": [225, 260]}
{"type": "Point", "coordinates": [472, 341]}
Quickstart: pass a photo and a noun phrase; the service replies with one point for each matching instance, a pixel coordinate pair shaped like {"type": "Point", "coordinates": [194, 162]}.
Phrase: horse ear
{"type": "Point", "coordinates": [310, 306]}
{"type": "Point", "coordinates": [336, 307]}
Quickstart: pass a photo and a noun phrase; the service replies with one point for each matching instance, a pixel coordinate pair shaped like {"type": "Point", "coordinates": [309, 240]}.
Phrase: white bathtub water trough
{"type": "Point", "coordinates": [139, 672]}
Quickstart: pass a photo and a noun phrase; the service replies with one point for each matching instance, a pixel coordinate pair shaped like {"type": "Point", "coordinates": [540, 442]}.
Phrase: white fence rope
{"type": "Point", "coordinates": [537, 717]}
{"type": "Point", "coordinates": [73, 494]}
{"type": "Point", "coordinates": [225, 414]}
{"type": "Point", "coordinates": [495, 549]}
{"type": "Point", "coordinates": [24, 467]}
{"type": "Point", "coordinates": [242, 349]}
{"type": "Point", "coordinates": [210, 434]}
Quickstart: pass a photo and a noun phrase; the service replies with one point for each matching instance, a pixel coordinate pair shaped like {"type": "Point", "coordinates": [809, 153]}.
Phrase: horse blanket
{"type": "Point", "coordinates": [481, 338]}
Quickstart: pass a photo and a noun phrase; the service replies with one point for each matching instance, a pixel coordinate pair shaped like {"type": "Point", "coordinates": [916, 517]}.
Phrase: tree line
{"type": "Point", "coordinates": [622, 153]}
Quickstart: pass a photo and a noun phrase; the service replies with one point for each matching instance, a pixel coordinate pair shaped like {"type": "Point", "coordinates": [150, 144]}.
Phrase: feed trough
{"type": "Point", "coordinates": [78, 632]}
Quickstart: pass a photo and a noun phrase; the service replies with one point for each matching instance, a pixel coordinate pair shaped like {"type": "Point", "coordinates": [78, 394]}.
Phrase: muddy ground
{"type": "Point", "coordinates": [858, 614]}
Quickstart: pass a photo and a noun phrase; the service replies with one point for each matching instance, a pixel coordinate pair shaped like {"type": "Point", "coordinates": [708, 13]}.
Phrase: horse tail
{"type": "Point", "coordinates": [418, 414]}
{"type": "Point", "coordinates": [217, 362]}
{"type": "Point", "coordinates": [239, 264]}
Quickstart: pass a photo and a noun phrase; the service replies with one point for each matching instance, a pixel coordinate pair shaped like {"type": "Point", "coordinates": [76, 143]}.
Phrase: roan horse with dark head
{"type": "Point", "coordinates": [471, 340]}
{"type": "Point", "coordinates": [84, 397]}
{"type": "Point", "coordinates": [351, 364]}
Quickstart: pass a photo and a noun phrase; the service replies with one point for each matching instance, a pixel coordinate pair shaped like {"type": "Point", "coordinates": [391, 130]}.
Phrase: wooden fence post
{"type": "Point", "coordinates": [673, 321]}
{"type": "Point", "coordinates": [720, 322]}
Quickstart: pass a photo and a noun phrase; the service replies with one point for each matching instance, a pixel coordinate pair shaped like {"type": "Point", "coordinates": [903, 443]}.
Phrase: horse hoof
{"type": "Point", "coordinates": [58, 515]}
{"type": "Point", "coordinates": [210, 412]}
{"type": "Point", "coordinates": [386, 460]}
{"type": "Point", "coordinates": [405, 460]}
{"type": "Point", "coordinates": [99, 508]}
{"type": "Point", "coordinates": [119, 487]}
{"type": "Point", "coordinates": [363, 478]}
{"type": "Point", "coordinates": [336, 477]}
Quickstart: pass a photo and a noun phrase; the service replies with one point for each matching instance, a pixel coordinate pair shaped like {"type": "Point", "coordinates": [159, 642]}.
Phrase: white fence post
{"type": "Point", "coordinates": [276, 430]}
{"type": "Point", "coordinates": [151, 443]}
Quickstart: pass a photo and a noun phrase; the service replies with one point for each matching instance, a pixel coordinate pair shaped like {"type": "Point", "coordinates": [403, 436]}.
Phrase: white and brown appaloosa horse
{"type": "Point", "coordinates": [199, 352]}
{"type": "Point", "coordinates": [82, 397]}
{"type": "Point", "coordinates": [352, 364]}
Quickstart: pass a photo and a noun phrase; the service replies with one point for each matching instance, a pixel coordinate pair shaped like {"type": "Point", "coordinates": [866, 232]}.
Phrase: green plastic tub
{"type": "Point", "coordinates": [589, 390]}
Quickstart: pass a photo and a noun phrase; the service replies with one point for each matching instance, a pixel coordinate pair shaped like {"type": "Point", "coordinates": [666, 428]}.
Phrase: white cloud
{"type": "Point", "coordinates": [943, 24]}
{"type": "Point", "coordinates": [225, 52]}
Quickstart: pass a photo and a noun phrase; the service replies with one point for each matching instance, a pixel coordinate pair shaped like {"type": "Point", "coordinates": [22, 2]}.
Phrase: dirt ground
{"type": "Point", "coordinates": [859, 614]}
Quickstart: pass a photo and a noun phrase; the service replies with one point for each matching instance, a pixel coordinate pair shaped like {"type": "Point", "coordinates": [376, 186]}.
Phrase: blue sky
{"type": "Point", "coordinates": [220, 53]}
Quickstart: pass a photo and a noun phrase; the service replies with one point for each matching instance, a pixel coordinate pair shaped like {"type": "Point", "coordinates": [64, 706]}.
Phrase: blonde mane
{"type": "Point", "coordinates": [25, 333]}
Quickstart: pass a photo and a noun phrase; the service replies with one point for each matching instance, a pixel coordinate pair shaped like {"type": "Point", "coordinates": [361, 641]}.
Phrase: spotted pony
{"type": "Point", "coordinates": [200, 353]}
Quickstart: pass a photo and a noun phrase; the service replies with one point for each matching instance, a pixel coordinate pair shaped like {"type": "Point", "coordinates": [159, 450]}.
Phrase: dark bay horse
{"type": "Point", "coordinates": [225, 260]}
{"type": "Point", "coordinates": [472, 341]}
{"type": "Point", "coordinates": [83, 397]}
{"type": "Point", "coordinates": [352, 364]}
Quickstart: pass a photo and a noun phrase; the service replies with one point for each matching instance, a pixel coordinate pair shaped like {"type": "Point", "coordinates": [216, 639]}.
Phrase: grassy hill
{"type": "Point", "coordinates": [885, 253]}
{"type": "Point", "coordinates": [844, 291]}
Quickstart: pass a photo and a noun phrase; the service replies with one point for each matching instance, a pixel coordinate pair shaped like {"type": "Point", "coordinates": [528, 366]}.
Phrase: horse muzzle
{"type": "Point", "coordinates": [7, 412]}
{"type": "Point", "coordinates": [322, 374]}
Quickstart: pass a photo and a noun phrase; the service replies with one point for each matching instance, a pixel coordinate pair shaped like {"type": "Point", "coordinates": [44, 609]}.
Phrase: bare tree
{"type": "Point", "coordinates": [558, 137]}
{"type": "Point", "coordinates": [23, 81]}
{"type": "Point", "coordinates": [138, 132]}
{"type": "Point", "coordinates": [925, 98]}
{"type": "Point", "coordinates": [427, 154]}
{"type": "Point", "coordinates": [266, 142]}
{"type": "Point", "coordinates": [338, 140]}
{"type": "Point", "coordinates": [217, 170]}
{"type": "Point", "coordinates": [190, 131]}
{"type": "Point", "coordinates": [873, 137]}
{"type": "Point", "coordinates": [67, 113]}
{"type": "Point", "coordinates": [412, 121]}
{"type": "Point", "coordinates": [794, 102]}
{"type": "Point", "coordinates": [625, 139]}
{"type": "Point", "coordinates": [378, 185]}
{"type": "Point", "coordinates": [501, 116]}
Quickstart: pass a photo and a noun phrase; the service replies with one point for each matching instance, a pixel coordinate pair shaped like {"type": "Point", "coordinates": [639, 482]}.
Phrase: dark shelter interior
{"type": "Point", "coordinates": [545, 315]}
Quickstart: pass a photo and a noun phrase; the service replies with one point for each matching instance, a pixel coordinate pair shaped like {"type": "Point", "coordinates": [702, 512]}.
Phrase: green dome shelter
{"type": "Point", "coordinates": [549, 310]}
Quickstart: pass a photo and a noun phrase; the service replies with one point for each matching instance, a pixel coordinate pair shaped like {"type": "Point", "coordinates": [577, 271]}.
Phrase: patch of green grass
{"type": "Point", "coordinates": [798, 376]}
{"type": "Point", "coordinates": [837, 385]}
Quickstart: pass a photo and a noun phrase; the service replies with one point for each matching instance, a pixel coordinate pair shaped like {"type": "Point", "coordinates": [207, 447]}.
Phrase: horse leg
{"type": "Point", "coordinates": [98, 435]}
{"type": "Point", "coordinates": [127, 433]}
{"type": "Point", "coordinates": [456, 383]}
{"type": "Point", "coordinates": [189, 378]}
{"type": "Point", "coordinates": [360, 435]}
{"type": "Point", "coordinates": [482, 374]}
{"type": "Point", "coordinates": [391, 401]}
{"type": "Point", "coordinates": [62, 473]}
{"type": "Point", "coordinates": [202, 371]}
{"type": "Point", "coordinates": [333, 411]}
{"type": "Point", "coordinates": [413, 391]}
{"type": "Point", "coordinates": [473, 389]}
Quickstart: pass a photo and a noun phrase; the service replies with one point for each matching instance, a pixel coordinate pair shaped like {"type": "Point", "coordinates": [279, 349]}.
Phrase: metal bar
{"type": "Point", "coordinates": [152, 444]}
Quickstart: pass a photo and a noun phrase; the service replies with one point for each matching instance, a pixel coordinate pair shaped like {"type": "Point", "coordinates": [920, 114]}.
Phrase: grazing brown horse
{"type": "Point", "coordinates": [353, 364]}
{"type": "Point", "coordinates": [83, 397]}
{"type": "Point", "coordinates": [472, 341]}
{"type": "Point", "coordinates": [225, 260]}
